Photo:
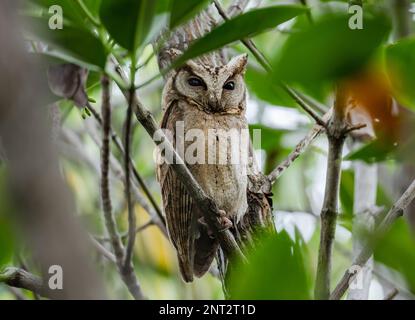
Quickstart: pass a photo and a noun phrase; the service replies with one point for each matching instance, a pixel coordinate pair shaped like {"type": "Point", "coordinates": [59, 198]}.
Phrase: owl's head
{"type": "Point", "coordinates": [214, 89]}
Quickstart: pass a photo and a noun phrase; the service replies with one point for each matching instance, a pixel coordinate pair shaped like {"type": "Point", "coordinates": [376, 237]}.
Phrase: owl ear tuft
{"type": "Point", "coordinates": [238, 64]}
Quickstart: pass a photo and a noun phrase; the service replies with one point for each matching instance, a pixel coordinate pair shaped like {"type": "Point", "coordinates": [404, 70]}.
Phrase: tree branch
{"type": "Point", "coordinates": [127, 168]}
{"type": "Point", "coordinates": [298, 150]}
{"type": "Point", "coordinates": [136, 174]}
{"type": "Point", "coordinates": [394, 213]}
{"type": "Point", "coordinates": [127, 274]}
{"type": "Point", "coordinates": [336, 134]}
{"type": "Point", "coordinates": [237, 7]}
{"type": "Point", "coordinates": [19, 278]}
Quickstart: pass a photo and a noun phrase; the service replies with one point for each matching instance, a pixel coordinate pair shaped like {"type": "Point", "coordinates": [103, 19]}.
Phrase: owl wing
{"type": "Point", "coordinates": [195, 248]}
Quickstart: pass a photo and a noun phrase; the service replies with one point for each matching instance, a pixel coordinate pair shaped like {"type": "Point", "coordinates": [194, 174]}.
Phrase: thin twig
{"type": "Point", "coordinates": [125, 235]}
{"type": "Point", "coordinates": [136, 174]}
{"type": "Point", "coordinates": [298, 150]}
{"type": "Point", "coordinates": [102, 250]}
{"type": "Point", "coordinates": [127, 168]}
{"type": "Point", "coordinates": [394, 213]}
{"type": "Point", "coordinates": [392, 295]}
{"type": "Point", "coordinates": [305, 106]}
{"type": "Point", "coordinates": [127, 274]}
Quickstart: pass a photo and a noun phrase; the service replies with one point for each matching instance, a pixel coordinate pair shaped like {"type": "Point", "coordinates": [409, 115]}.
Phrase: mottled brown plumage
{"type": "Point", "coordinates": [214, 103]}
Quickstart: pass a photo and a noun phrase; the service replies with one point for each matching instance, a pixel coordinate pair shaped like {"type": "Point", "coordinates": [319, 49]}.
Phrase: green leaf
{"type": "Point", "coordinates": [328, 49]}
{"type": "Point", "coordinates": [259, 83]}
{"type": "Point", "coordinates": [6, 230]}
{"type": "Point", "coordinates": [70, 9]}
{"type": "Point", "coordinates": [374, 151]}
{"type": "Point", "coordinates": [129, 22]}
{"type": "Point", "coordinates": [276, 270]}
{"type": "Point", "coordinates": [397, 250]}
{"type": "Point", "coordinates": [78, 43]}
{"type": "Point", "coordinates": [270, 138]}
{"type": "Point", "coordinates": [400, 62]}
{"type": "Point", "coordinates": [347, 195]}
{"type": "Point", "coordinates": [181, 11]}
{"type": "Point", "coordinates": [243, 26]}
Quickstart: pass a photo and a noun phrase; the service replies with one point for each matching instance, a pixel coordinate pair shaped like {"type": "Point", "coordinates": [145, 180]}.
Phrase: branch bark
{"type": "Point", "coordinates": [137, 176]}
{"type": "Point", "coordinates": [127, 169]}
{"type": "Point", "coordinates": [299, 149]}
{"type": "Point", "coordinates": [19, 278]}
{"type": "Point", "coordinates": [126, 271]}
{"type": "Point", "coordinates": [394, 213]}
{"type": "Point", "coordinates": [336, 134]}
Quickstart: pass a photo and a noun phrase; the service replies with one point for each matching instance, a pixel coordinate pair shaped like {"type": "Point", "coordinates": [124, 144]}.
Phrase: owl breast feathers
{"type": "Point", "coordinates": [204, 111]}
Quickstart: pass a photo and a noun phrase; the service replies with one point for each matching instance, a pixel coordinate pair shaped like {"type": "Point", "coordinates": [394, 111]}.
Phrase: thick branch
{"type": "Point", "coordinates": [336, 136]}
{"type": "Point", "coordinates": [237, 7]}
{"type": "Point", "coordinates": [19, 278]}
{"type": "Point", "coordinates": [394, 213]}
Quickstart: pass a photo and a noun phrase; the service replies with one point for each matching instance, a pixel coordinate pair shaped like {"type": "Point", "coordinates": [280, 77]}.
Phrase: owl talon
{"type": "Point", "coordinates": [225, 223]}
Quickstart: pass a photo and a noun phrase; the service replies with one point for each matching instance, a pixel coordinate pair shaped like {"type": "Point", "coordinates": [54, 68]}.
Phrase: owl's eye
{"type": "Point", "coordinates": [229, 85]}
{"type": "Point", "coordinates": [195, 82]}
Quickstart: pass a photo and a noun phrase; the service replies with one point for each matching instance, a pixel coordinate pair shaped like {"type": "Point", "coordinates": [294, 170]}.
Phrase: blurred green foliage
{"type": "Point", "coordinates": [276, 270]}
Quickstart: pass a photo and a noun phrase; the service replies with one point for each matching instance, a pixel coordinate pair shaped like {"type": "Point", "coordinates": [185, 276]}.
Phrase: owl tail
{"type": "Point", "coordinates": [205, 251]}
{"type": "Point", "coordinates": [186, 266]}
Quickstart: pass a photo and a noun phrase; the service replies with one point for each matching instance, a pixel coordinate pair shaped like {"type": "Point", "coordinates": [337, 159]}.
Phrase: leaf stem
{"type": "Point", "coordinates": [88, 14]}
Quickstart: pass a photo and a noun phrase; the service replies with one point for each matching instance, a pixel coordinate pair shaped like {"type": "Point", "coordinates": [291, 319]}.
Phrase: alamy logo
{"type": "Point", "coordinates": [56, 279]}
{"type": "Point", "coordinates": [356, 20]}
{"type": "Point", "coordinates": [56, 19]}
{"type": "Point", "coordinates": [212, 146]}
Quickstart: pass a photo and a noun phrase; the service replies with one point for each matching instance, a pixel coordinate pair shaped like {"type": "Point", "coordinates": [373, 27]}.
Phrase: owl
{"type": "Point", "coordinates": [210, 100]}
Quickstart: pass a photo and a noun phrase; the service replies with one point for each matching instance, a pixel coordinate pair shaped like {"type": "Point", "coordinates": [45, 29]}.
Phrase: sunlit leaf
{"type": "Point", "coordinates": [259, 83]}
{"type": "Point", "coordinates": [129, 22]}
{"type": "Point", "coordinates": [276, 270]}
{"type": "Point", "coordinates": [74, 42]}
{"type": "Point", "coordinates": [400, 61]}
{"type": "Point", "coordinates": [270, 138]}
{"type": "Point", "coordinates": [6, 231]}
{"type": "Point", "coordinates": [329, 49]}
{"type": "Point", "coordinates": [240, 27]}
{"type": "Point", "coordinates": [397, 250]}
{"type": "Point", "coordinates": [374, 151]}
{"type": "Point", "coordinates": [347, 196]}
{"type": "Point", "coordinates": [71, 10]}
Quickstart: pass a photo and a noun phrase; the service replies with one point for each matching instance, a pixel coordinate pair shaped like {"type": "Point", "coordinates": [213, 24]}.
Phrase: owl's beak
{"type": "Point", "coordinates": [214, 102]}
